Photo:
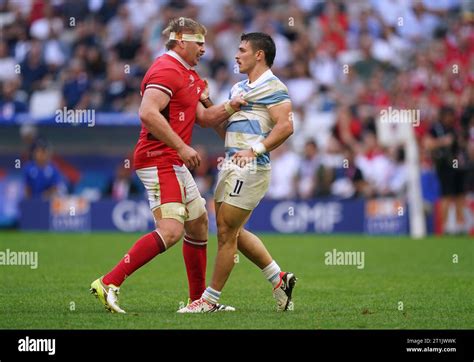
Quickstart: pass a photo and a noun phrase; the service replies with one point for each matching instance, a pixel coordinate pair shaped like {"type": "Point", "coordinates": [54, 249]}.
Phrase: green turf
{"type": "Point", "coordinates": [435, 292]}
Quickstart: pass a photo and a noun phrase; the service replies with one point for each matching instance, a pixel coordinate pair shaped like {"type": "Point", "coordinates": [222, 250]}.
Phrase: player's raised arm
{"type": "Point", "coordinates": [216, 114]}
{"type": "Point", "coordinates": [153, 102]}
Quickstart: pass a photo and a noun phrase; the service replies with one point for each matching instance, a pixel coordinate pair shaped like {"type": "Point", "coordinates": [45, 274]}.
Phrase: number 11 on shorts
{"type": "Point", "coordinates": [237, 188]}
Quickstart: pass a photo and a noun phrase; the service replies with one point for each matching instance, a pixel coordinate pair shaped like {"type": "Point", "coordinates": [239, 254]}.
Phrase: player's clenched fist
{"type": "Point", "coordinates": [237, 102]}
{"type": "Point", "coordinates": [205, 93]}
{"type": "Point", "coordinates": [189, 156]}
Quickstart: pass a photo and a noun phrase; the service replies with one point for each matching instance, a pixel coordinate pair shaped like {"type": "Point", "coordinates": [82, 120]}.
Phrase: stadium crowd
{"type": "Point", "coordinates": [343, 62]}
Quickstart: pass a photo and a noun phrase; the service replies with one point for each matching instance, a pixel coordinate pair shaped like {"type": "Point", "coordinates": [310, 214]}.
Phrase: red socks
{"type": "Point", "coordinates": [145, 249]}
{"type": "Point", "coordinates": [149, 246]}
{"type": "Point", "coordinates": [195, 258]}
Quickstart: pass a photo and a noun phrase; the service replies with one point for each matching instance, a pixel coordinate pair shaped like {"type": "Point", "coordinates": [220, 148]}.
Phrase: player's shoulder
{"type": "Point", "coordinates": [164, 63]}
{"type": "Point", "coordinates": [273, 92]}
{"type": "Point", "coordinates": [276, 83]}
{"type": "Point", "coordinates": [240, 84]}
{"type": "Point", "coordinates": [237, 88]}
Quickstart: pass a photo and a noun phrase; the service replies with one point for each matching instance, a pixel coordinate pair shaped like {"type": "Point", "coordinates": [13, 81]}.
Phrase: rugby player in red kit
{"type": "Point", "coordinates": [174, 97]}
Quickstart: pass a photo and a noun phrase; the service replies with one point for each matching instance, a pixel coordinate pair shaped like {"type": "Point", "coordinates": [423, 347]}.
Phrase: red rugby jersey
{"type": "Point", "coordinates": [171, 75]}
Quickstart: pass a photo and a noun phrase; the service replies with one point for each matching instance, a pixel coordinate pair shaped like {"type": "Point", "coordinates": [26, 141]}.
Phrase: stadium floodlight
{"type": "Point", "coordinates": [395, 127]}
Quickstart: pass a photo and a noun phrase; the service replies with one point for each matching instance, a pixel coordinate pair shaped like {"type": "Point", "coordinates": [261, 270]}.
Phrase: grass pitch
{"type": "Point", "coordinates": [405, 284]}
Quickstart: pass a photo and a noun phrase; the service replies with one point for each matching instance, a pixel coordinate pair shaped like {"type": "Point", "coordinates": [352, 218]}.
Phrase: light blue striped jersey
{"type": "Point", "coordinates": [252, 123]}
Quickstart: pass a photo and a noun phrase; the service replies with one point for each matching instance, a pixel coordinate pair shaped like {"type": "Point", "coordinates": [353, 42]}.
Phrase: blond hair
{"type": "Point", "coordinates": [182, 25]}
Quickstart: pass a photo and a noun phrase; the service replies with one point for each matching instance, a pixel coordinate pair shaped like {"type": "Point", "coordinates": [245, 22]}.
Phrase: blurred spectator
{"type": "Point", "coordinates": [365, 22]}
{"type": "Point", "coordinates": [230, 35]}
{"type": "Point", "coordinates": [398, 176]}
{"type": "Point", "coordinates": [324, 66]}
{"type": "Point", "coordinates": [108, 10]}
{"type": "Point", "coordinates": [367, 65]}
{"type": "Point", "coordinates": [85, 35]}
{"type": "Point", "coordinates": [285, 165]}
{"type": "Point", "coordinates": [390, 11]}
{"type": "Point", "coordinates": [467, 115]}
{"type": "Point", "coordinates": [429, 180]}
{"type": "Point", "coordinates": [77, 10]}
{"type": "Point", "coordinates": [94, 63]}
{"type": "Point", "coordinates": [220, 85]}
{"type": "Point", "coordinates": [348, 129]}
{"type": "Point", "coordinates": [416, 23]}
{"type": "Point", "coordinates": [54, 50]}
{"type": "Point", "coordinates": [116, 27]}
{"type": "Point", "coordinates": [333, 24]}
{"type": "Point", "coordinates": [21, 42]}
{"type": "Point", "coordinates": [141, 11]}
{"type": "Point", "coordinates": [128, 46]}
{"type": "Point", "coordinates": [47, 24]}
{"type": "Point", "coordinates": [10, 104]}
{"type": "Point", "coordinates": [117, 87]}
{"type": "Point", "coordinates": [34, 72]}
{"type": "Point", "coordinates": [42, 178]}
{"type": "Point", "coordinates": [300, 87]}
{"type": "Point", "coordinates": [307, 178]}
{"type": "Point", "coordinates": [217, 63]}
{"type": "Point", "coordinates": [469, 180]}
{"type": "Point", "coordinates": [390, 48]}
{"type": "Point", "coordinates": [444, 144]}
{"type": "Point", "coordinates": [347, 181]}
{"type": "Point", "coordinates": [213, 11]}
{"type": "Point", "coordinates": [375, 165]}
{"type": "Point", "coordinates": [122, 186]}
{"type": "Point", "coordinates": [7, 63]}
{"type": "Point", "coordinates": [76, 86]}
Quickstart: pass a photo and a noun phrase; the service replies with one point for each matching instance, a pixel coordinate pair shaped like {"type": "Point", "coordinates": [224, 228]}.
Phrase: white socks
{"type": "Point", "coordinates": [211, 295]}
{"type": "Point", "coordinates": [272, 273]}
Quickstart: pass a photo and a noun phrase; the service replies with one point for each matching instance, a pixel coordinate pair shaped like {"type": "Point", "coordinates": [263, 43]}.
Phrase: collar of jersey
{"type": "Point", "coordinates": [175, 55]}
{"type": "Point", "coordinates": [263, 77]}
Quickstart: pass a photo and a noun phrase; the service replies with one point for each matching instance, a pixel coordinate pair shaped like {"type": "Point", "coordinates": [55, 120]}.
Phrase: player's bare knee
{"type": "Point", "coordinates": [205, 220]}
{"type": "Point", "coordinates": [199, 233]}
{"type": "Point", "coordinates": [226, 233]}
{"type": "Point", "coordinates": [202, 226]}
{"type": "Point", "coordinates": [222, 227]}
{"type": "Point", "coordinates": [171, 235]}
